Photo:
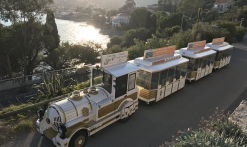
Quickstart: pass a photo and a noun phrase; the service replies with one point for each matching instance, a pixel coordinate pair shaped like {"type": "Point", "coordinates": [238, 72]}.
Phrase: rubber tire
{"type": "Point", "coordinates": [124, 120]}
{"type": "Point", "coordinates": [76, 135]}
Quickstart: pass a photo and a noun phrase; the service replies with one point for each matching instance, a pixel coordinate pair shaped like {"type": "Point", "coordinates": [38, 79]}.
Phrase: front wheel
{"type": "Point", "coordinates": [79, 139]}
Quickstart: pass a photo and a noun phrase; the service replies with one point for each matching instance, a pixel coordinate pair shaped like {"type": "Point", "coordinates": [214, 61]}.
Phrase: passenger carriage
{"type": "Point", "coordinates": [224, 52]}
{"type": "Point", "coordinates": [162, 72]}
{"type": "Point", "coordinates": [201, 59]}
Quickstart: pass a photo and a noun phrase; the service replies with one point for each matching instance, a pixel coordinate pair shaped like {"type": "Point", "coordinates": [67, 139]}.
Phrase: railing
{"type": "Point", "coordinates": [37, 78]}
{"type": "Point", "coordinates": [34, 106]}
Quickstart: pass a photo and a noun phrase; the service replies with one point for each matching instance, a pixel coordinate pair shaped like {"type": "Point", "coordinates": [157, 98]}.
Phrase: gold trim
{"type": "Point", "coordinates": [102, 125]}
{"type": "Point", "coordinates": [85, 111]}
{"type": "Point", "coordinates": [71, 130]}
{"type": "Point", "coordinates": [50, 133]}
{"type": "Point", "coordinates": [106, 110]}
{"type": "Point", "coordinates": [89, 102]}
{"type": "Point", "coordinates": [216, 63]}
{"type": "Point", "coordinates": [148, 94]}
{"type": "Point", "coordinates": [62, 111]}
{"type": "Point", "coordinates": [74, 107]}
{"type": "Point", "coordinates": [193, 74]}
{"type": "Point", "coordinates": [115, 106]}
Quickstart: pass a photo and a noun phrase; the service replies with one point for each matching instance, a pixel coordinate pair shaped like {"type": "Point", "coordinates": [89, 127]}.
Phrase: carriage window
{"type": "Point", "coordinates": [219, 56]}
{"type": "Point", "coordinates": [131, 82]}
{"type": "Point", "coordinates": [163, 76]}
{"type": "Point", "coordinates": [204, 62]}
{"type": "Point", "coordinates": [191, 64]}
{"type": "Point", "coordinates": [197, 64]}
{"type": "Point", "coordinates": [143, 79]}
{"type": "Point", "coordinates": [121, 86]}
{"type": "Point", "coordinates": [155, 80]}
{"type": "Point", "coordinates": [212, 58]}
{"type": "Point", "coordinates": [177, 72]}
{"type": "Point", "coordinates": [171, 73]}
{"type": "Point", "coordinates": [183, 68]}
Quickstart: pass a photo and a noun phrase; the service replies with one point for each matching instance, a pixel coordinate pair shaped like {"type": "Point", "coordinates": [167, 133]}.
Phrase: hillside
{"type": "Point", "coordinates": [113, 4]}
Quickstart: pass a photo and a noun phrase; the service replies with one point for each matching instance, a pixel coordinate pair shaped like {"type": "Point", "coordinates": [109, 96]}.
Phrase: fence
{"type": "Point", "coordinates": [37, 78]}
{"type": "Point", "coordinates": [37, 105]}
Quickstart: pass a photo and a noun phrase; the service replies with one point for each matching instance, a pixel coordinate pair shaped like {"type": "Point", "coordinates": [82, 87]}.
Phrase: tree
{"type": "Point", "coordinates": [113, 49]}
{"type": "Point", "coordinates": [87, 53]}
{"type": "Point", "coordinates": [241, 3]}
{"type": "Point", "coordinates": [175, 19]}
{"type": "Point", "coordinates": [168, 5]}
{"type": "Point", "coordinates": [26, 16]}
{"type": "Point", "coordinates": [138, 18]}
{"type": "Point", "coordinates": [52, 38]}
{"type": "Point", "coordinates": [128, 7]}
{"type": "Point", "coordinates": [140, 46]}
{"type": "Point", "coordinates": [111, 13]}
{"type": "Point", "coordinates": [136, 50]}
{"type": "Point", "coordinates": [208, 4]}
{"type": "Point", "coordinates": [6, 44]}
{"type": "Point", "coordinates": [190, 7]}
{"type": "Point", "coordinates": [60, 57]}
{"type": "Point", "coordinates": [199, 15]}
{"type": "Point", "coordinates": [140, 33]}
{"type": "Point", "coordinates": [115, 40]}
{"type": "Point", "coordinates": [148, 20]}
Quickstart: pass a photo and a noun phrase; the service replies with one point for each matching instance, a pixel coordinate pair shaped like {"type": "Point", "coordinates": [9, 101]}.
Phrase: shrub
{"type": "Point", "coordinates": [216, 131]}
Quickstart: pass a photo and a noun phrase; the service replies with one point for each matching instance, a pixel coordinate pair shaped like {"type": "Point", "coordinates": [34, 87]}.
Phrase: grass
{"type": "Point", "coordinates": [23, 123]}
{"type": "Point", "coordinates": [15, 126]}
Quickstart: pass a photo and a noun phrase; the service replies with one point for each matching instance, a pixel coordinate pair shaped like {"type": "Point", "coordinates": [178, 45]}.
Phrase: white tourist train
{"type": "Point", "coordinates": [116, 85]}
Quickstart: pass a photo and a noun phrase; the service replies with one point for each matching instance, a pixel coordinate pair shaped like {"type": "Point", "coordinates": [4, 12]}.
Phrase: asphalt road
{"type": "Point", "coordinates": [150, 126]}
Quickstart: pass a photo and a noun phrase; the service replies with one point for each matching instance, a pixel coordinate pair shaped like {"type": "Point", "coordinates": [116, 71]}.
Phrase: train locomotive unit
{"type": "Point", "coordinates": [111, 96]}
{"type": "Point", "coordinates": [224, 52]}
{"type": "Point", "coordinates": [162, 72]}
{"type": "Point", "coordinates": [201, 59]}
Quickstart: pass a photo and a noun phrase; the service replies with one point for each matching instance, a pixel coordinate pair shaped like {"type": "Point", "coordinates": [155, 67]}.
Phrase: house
{"type": "Point", "coordinates": [152, 8]}
{"type": "Point", "coordinates": [223, 5]}
{"type": "Point", "coordinates": [120, 19]}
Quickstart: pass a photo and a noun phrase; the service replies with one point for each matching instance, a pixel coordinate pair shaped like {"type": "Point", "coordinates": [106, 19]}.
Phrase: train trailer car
{"type": "Point", "coordinates": [113, 96]}
{"type": "Point", "coordinates": [161, 73]}
{"type": "Point", "coordinates": [224, 52]}
{"type": "Point", "coordinates": [201, 59]}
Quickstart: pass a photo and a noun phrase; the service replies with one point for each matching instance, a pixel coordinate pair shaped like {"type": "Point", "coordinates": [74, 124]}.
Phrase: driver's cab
{"type": "Point", "coordinates": [117, 78]}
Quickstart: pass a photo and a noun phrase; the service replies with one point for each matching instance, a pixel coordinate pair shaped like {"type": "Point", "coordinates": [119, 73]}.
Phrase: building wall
{"type": "Point", "coordinates": [120, 19]}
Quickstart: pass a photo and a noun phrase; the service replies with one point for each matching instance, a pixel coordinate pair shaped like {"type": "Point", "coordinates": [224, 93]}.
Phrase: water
{"type": "Point", "coordinates": [77, 32]}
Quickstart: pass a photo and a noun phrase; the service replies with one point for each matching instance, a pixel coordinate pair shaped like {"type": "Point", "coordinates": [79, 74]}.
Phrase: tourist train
{"type": "Point", "coordinates": [116, 84]}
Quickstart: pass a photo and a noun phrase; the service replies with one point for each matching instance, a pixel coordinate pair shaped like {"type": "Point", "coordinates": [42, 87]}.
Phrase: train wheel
{"type": "Point", "coordinates": [79, 139]}
{"type": "Point", "coordinates": [124, 120]}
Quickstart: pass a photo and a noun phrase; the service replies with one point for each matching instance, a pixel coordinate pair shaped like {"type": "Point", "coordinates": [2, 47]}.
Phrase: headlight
{"type": "Point", "coordinates": [62, 130]}
{"type": "Point", "coordinates": [40, 114]}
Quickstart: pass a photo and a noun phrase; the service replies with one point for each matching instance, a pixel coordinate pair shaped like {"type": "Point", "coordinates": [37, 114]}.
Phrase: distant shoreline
{"type": "Point", "coordinates": [104, 31]}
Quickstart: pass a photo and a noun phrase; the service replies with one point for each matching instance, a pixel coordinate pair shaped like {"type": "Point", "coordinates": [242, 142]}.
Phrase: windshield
{"type": "Point", "coordinates": [102, 79]}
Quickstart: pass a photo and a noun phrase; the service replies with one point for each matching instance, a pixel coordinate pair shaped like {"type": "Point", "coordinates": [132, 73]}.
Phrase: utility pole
{"type": "Point", "coordinates": [242, 19]}
{"type": "Point", "coordinates": [182, 21]}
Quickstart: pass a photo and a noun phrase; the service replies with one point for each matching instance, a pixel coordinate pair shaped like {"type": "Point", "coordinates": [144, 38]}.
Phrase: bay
{"type": "Point", "coordinates": [77, 32]}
